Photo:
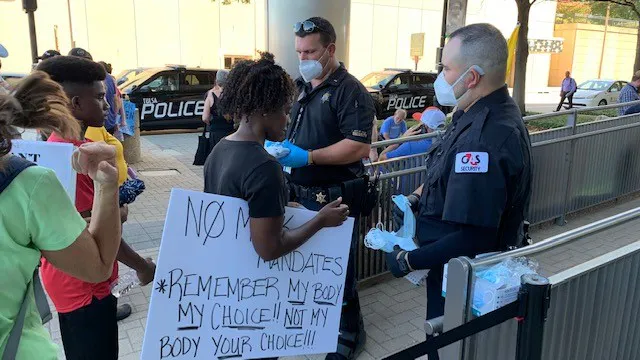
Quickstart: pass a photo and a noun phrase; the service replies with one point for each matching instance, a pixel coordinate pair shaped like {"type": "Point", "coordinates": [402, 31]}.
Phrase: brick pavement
{"type": "Point", "coordinates": [393, 310]}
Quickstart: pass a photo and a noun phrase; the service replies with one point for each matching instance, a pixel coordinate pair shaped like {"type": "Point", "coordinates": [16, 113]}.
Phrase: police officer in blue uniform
{"type": "Point", "coordinates": [329, 135]}
{"type": "Point", "coordinates": [478, 181]}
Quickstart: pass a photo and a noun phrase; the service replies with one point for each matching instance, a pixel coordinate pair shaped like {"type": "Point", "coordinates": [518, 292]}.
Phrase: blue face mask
{"type": "Point", "coordinates": [408, 229]}
{"type": "Point", "coordinates": [378, 239]}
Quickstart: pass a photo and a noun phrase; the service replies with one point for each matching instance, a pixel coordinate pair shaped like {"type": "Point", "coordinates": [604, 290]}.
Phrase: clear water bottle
{"type": "Point", "coordinates": [124, 283]}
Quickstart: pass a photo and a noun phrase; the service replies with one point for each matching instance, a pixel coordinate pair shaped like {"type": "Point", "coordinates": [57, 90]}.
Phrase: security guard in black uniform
{"type": "Point", "coordinates": [329, 134]}
{"type": "Point", "coordinates": [478, 182]}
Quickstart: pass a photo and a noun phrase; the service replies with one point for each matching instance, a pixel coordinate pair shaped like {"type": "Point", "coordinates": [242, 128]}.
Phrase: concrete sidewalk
{"type": "Point", "coordinates": [394, 311]}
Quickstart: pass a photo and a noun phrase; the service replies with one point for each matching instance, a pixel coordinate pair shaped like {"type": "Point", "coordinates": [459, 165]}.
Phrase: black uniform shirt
{"type": "Point", "coordinates": [339, 108]}
{"type": "Point", "coordinates": [480, 173]}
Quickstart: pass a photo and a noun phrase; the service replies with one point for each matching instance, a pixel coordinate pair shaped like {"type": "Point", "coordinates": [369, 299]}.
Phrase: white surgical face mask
{"type": "Point", "coordinates": [445, 92]}
{"type": "Point", "coordinates": [311, 69]}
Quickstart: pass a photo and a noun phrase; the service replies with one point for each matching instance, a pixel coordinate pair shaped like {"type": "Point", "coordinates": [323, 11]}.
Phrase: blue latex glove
{"type": "Point", "coordinates": [297, 157]}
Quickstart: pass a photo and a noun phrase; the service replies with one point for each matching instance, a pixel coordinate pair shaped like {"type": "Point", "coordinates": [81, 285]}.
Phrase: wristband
{"type": "Point", "coordinates": [310, 161]}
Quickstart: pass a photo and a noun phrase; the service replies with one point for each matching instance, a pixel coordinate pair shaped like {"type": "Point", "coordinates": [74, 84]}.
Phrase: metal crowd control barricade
{"type": "Point", "coordinates": [593, 311]}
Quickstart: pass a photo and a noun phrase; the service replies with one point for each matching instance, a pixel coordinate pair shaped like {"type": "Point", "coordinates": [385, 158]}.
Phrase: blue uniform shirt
{"type": "Point", "coordinates": [394, 130]}
{"type": "Point", "coordinates": [410, 148]}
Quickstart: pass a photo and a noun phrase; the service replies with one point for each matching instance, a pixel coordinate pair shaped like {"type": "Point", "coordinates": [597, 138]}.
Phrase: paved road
{"type": "Point", "coordinates": [393, 311]}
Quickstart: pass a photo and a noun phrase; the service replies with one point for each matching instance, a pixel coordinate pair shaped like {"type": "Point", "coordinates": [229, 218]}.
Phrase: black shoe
{"type": "Point", "coordinates": [123, 312]}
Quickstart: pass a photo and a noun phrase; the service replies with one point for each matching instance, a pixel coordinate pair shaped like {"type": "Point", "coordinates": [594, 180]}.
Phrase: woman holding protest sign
{"type": "Point", "coordinates": [259, 95]}
{"type": "Point", "coordinates": [39, 219]}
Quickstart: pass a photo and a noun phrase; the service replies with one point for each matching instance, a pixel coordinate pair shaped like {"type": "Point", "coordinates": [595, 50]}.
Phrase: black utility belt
{"type": "Point", "coordinates": [359, 194]}
{"type": "Point", "coordinates": [320, 194]}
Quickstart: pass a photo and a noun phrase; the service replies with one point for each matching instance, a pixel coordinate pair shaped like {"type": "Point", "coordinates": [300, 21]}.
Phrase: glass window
{"type": "Point", "coordinates": [230, 60]}
{"type": "Point", "coordinates": [424, 81]}
{"type": "Point", "coordinates": [595, 85]}
{"type": "Point", "coordinates": [400, 82]}
{"type": "Point", "coordinates": [162, 82]}
{"type": "Point", "coordinates": [376, 80]}
{"type": "Point", "coordinates": [616, 87]}
{"type": "Point", "coordinates": [199, 81]}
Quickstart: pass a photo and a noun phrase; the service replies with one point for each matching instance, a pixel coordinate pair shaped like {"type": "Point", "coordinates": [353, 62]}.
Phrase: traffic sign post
{"type": "Point", "coordinates": [417, 48]}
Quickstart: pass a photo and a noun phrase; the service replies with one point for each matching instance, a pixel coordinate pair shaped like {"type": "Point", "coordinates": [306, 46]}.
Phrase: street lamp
{"type": "Point", "coordinates": [30, 6]}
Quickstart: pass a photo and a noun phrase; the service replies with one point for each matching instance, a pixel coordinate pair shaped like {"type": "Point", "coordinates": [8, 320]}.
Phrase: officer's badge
{"type": "Point", "coordinates": [326, 97]}
{"type": "Point", "coordinates": [321, 198]}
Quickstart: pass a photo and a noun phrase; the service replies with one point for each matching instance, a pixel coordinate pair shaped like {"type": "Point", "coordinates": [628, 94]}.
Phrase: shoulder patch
{"type": "Point", "coordinates": [472, 162]}
{"type": "Point", "coordinates": [359, 133]}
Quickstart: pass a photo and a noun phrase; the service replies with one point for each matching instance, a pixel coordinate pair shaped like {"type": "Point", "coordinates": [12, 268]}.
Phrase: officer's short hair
{"type": "Point", "coordinates": [485, 46]}
{"type": "Point", "coordinates": [324, 28]}
{"type": "Point", "coordinates": [221, 77]}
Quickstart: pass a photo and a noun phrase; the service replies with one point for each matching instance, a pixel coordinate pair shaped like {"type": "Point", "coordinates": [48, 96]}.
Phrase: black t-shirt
{"type": "Point", "coordinates": [244, 169]}
{"type": "Point", "coordinates": [339, 108]}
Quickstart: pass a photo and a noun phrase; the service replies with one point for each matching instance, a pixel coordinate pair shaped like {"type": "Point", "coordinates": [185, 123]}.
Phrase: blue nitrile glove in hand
{"type": "Point", "coordinates": [399, 213]}
{"type": "Point", "coordinates": [276, 149]}
{"type": "Point", "coordinates": [297, 157]}
{"type": "Point", "coordinates": [397, 263]}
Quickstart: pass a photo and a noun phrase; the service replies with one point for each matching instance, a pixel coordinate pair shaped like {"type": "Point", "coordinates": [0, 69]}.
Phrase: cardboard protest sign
{"type": "Point", "coordinates": [214, 297]}
{"type": "Point", "coordinates": [55, 156]}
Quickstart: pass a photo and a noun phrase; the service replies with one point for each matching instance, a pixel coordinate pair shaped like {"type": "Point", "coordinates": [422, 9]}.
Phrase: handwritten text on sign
{"type": "Point", "coordinates": [55, 156]}
{"type": "Point", "coordinates": [214, 297]}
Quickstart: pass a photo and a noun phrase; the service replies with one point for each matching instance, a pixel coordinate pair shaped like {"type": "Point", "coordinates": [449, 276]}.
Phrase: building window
{"type": "Point", "coordinates": [230, 60]}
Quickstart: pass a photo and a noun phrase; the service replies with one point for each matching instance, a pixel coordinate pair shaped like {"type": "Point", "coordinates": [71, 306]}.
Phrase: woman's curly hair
{"type": "Point", "coordinates": [37, 103]}
{"type": "Point", "coordinates": [256, 86]}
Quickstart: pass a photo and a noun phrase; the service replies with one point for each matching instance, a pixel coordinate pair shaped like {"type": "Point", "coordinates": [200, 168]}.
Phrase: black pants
{"type": "Point", "coordinates": [350, 319]}
{"type": "Point", "coordinates": [565, 95]}
{"type": "Point", "coordinates": [91, 332]}
{"type": "Point", "coordinates": [435, 301]}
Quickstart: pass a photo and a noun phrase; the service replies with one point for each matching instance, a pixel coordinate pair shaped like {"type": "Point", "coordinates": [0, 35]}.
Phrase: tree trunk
{"type": "Point", "coordinates": [522, 53]}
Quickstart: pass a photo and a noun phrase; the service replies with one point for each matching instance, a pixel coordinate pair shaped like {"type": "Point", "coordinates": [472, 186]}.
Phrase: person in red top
{"type": "Point", "coordinates": [87, 312]}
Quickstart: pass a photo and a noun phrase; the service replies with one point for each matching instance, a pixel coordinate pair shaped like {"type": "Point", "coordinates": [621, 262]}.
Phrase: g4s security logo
{"type": "Point", "coordinates": [472, 162]}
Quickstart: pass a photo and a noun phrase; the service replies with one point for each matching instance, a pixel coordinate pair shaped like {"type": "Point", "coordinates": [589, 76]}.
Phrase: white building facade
{"type": "Point", "coordinates": [209, 34]}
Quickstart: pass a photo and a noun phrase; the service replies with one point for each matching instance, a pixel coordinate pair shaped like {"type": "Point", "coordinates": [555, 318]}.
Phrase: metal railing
{"type": "Point", "coordinates": [592, 305]}
{"type": "Point", "coordinates": [574, 167]}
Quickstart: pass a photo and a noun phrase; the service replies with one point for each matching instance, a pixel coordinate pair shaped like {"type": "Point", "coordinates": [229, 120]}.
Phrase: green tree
{"type": "Point", "coordinates": [626, 9]}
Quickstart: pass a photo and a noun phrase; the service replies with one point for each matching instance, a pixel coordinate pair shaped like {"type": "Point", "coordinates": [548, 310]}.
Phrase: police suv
{"type": "Point", "coordinates": [394, 89]}
{"type": "Point", "coordinates": [171, 97]}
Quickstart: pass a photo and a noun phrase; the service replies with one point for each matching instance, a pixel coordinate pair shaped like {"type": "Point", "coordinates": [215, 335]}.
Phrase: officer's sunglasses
{"type": "Point", "coordinates": [305, 27]}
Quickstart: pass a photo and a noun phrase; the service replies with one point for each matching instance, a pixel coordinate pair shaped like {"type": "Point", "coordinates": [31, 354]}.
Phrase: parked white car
{"type": "Point", "coordinates": [598, 92]}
